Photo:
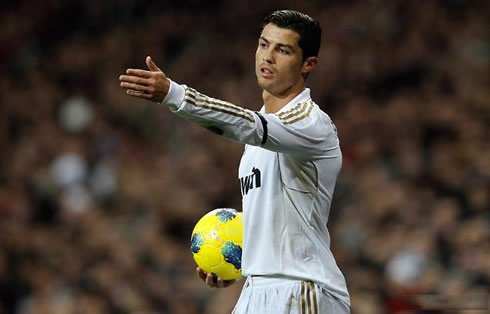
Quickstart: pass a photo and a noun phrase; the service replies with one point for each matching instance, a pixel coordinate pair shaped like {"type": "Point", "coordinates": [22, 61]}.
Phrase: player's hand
{"type": "Point", "coordinates": [151, 85]}
{"type": "Point", "coordinates": [211, 280]}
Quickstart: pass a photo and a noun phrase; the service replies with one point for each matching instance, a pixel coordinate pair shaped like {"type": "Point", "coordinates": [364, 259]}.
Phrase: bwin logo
{"type": "Point", "coordinates": [251, 181]}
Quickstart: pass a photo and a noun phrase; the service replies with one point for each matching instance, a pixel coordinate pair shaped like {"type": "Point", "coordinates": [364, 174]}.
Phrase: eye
{"type": "Point", "coordinates": [262, 45]}
{"type": "Point", "coordinates": [283, 51]}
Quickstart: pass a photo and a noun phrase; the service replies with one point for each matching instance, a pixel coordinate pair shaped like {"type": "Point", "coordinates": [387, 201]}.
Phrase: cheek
{"type": "Point", "coordinates": [257, 60]}
{"type": "Point", "coordinates": [292, 70]}
{"type": "Point", "coordinates": [257, 55]}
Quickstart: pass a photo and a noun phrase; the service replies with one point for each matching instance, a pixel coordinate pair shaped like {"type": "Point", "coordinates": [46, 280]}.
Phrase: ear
{"type": "Point", "coordinates": [309, 65]}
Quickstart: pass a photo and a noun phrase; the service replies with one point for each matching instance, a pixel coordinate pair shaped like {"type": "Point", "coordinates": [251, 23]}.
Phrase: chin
{"type": "Point", "coordinates": [263, 82]}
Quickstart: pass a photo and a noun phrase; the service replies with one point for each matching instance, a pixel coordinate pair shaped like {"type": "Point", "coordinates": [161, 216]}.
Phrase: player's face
{"type": "Point", "coordinates": [278, 61]}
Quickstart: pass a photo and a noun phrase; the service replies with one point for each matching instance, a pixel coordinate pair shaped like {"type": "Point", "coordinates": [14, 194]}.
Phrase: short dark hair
{"type": "Point", "coordinates": [309, 30]}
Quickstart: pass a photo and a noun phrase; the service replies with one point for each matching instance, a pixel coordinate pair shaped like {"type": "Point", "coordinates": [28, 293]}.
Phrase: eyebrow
{"type": "Point", "coordinates": [279, 44]}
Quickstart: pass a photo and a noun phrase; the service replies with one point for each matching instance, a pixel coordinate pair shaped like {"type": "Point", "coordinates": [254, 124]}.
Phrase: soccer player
{"type": "Point", "coordinates": [287, 173]}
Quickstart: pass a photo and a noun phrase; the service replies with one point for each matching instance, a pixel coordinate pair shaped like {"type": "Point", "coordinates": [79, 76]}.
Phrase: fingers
{"type": "Point", "coordinates": [151, 65]}
{"type": "Point", "coordinates": [201, 274]}
{"type": "Point", "coordinates": [212, 280]}
{"type": "Point", "coordinates": [137, 87]}
{"type": "Point", "coordinates": [209, 278]}
{"type": "Point", "coordinates": [152, 85]}
{"type": "Point", "coordinates": [140, 73]}
{"type": "Point", "coordinates": [138, 94]}
{"type": "Point", "coordinates": [135, 79]}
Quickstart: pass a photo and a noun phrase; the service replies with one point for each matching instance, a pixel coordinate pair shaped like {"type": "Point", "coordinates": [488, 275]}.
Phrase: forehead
{"type": "Point", "coordinates": [277, 35]}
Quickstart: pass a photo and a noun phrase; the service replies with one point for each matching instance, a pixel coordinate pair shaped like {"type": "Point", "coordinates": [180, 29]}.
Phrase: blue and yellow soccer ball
{"type": "Point", "coordinates": [216, 243]}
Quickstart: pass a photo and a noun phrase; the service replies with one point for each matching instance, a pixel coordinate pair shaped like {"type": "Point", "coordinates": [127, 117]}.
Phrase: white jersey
{"type": "Point", "coordinates": [287, 176]}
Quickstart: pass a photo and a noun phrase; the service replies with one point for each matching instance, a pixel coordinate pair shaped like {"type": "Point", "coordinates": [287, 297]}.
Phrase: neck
{"type": "Point", "coordinates": [274, 103]}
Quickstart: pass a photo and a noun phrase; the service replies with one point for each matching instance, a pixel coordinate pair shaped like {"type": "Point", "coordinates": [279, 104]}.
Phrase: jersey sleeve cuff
{"type": "Point", "coordinates": [175, 96]}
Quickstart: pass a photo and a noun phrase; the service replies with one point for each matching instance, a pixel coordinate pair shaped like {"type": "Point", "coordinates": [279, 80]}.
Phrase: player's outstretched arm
{"type": "Point", "coordinates": [152, 85]}
{"type": "Point", "coordinates": [212, 282]}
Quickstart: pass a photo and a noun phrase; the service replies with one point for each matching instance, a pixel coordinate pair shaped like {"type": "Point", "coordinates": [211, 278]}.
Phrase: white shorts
{"type": "Point", "coordinates": [273, 295]}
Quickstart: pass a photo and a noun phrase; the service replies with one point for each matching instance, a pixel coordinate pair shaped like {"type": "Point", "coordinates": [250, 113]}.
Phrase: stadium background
{"type": "Point", "coordinates": [99, 192]}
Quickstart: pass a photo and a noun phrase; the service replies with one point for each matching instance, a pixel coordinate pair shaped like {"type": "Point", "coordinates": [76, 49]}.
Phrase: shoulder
{"type": "Point", "coordinates": [298, 114]}
{"type": "Point", "coordinates": [306, 115]}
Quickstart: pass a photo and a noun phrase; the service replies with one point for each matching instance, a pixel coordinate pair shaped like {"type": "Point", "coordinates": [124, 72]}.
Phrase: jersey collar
{"type": "Point", "coordinates": [301, 97]}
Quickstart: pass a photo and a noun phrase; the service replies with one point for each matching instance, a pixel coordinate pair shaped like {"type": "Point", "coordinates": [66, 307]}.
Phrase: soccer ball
{"type": "Point", "coordinates": [216, 243]}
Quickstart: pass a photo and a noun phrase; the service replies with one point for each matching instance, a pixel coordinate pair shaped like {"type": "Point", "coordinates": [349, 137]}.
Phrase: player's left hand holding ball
{"type": "Point", "coordinates": [152, 85]}
{"type": "Point", "coordinates": [213, 281]}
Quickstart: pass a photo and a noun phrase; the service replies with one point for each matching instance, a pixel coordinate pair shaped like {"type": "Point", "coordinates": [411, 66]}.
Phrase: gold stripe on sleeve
{"type": "Point", "coordinates": [289, 111]}
{"type": "Point", "coordinates": [192, 100]}
{"type": "Point", "coordinates": [299, 118]}
{"type": "Point", "coordinates": [199, 97]}
{"type": "Point", "coordinates": [220, 102]}
{"type": "Point", "coordinates": [294, 114]}
{"type": "Point", "coordinates": [235, 114]}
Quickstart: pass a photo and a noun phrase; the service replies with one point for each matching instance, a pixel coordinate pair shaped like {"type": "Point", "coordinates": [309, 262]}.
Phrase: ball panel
{"type": "Point", "coordinates": [232, 254]}
{"type": "Point", "coordinates": [225, 215]}
{"type": "Point", "coordinates": [201, 262]}
{"type": "Point", "coordinates": [234, 231]}
{"type": "Point", "coordinates": [209, 255]}
{"type": "Point", "coordinates": [212, 236]}
{"type": "Point", "coordinates": [196, 242]}
{"type": "Point", "coordinates": [226, 271]}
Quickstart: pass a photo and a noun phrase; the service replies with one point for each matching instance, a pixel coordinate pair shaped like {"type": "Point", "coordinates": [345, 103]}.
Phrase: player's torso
{"type": "Point", "coordinates": [278, 195]}
{"type": "Point", "coordinates": [259, 180]}
{"type": "Point", "coordinates": [286, 202]}
{"type": "Point", "coordinates": [264, 176]}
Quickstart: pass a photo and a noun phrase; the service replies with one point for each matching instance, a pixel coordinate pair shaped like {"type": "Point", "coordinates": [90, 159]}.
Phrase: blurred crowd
{"type": "Point", "coordinates": [99, 192]}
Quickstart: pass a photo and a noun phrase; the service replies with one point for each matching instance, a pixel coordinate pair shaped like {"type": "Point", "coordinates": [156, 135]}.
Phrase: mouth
{"type": "Point", "coordinates": [266, 72]}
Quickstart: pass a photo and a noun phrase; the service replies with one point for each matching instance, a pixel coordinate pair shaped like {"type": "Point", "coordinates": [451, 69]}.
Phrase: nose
{"type": "Point", "coordinates": [267, 57]}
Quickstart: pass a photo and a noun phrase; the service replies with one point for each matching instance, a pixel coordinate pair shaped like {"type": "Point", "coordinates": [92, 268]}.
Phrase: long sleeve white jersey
{"type": "Point", "coordinates": [287, 176]}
